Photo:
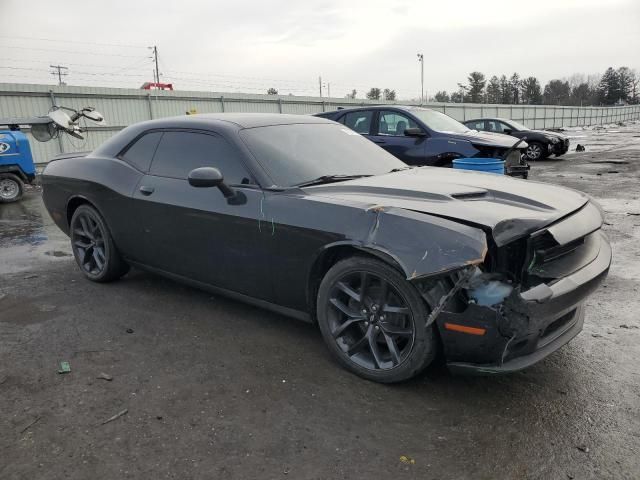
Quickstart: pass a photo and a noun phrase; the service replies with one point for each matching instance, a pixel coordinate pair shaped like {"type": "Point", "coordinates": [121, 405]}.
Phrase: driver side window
{"type": "Point", "coordinates": [394, 124]}
{"type": "Point", "coordinates": [494, 126]}
{"type": "Point", "coordinates": [505, 127]}
{"type": "Point", "coordinates": [180, 152]}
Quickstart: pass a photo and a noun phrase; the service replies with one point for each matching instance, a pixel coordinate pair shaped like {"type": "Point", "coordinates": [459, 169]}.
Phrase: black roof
{"type": "Point", "coordinates": [407, 108]}
{"type": "Point", "coordinates": [208, 121]}
{"type": "Point", "coordinates": [242, 120]}
{"type": "Point", "coordinates": [500, 119]}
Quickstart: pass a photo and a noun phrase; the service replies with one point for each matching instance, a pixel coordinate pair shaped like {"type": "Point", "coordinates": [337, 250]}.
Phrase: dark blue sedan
{"type": "Point", "coordinates": [421, 136]}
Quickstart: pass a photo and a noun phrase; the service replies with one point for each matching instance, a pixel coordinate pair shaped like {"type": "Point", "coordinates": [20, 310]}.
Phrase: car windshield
{"type": "Point", "coordinates": [517, 125]}
{"type": "Point", "coordinates": [298, 153]}
{"type": "Point", "coordinates": [439, 121]}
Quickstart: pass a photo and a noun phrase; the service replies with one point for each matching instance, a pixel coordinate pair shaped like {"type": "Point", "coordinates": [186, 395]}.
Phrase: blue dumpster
{"type": "Point", "coordinates": [488, 165]}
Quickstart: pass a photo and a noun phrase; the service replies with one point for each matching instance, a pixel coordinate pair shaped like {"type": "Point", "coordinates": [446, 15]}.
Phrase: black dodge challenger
{"type": "Point", "coordinates": [304, 216]}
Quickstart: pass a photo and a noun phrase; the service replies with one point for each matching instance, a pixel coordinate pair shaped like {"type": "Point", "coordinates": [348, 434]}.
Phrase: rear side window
{"type": "Point", "coordinates": [358, 121]}
{"type": "Point", "coordinates": [139, 154]}
{"type": "Point", "coordinates": [180, 152]}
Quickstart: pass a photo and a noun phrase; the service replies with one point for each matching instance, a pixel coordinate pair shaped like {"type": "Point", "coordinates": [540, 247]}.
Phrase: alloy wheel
{"type": "Point", "coordinates": [370, 321]}
{"type": "Point", "coordinates": [87, 239]}
{"type": "Point", "coordinates": [534, 152]}
{"type": "Point", "coordinates": [9, 189]}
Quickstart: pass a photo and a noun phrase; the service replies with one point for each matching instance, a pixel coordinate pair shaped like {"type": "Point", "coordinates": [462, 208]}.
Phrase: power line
{"type": "Point", "coordinates": [102, 65]}
{"type": "Point", "coordinates": [78, 71]}
{"type": "Point", "coordinates": [70, 51]}
{"type": "Point", "coordinates": [244, 77]}
{"type": "Point", "coordinates": [72, 41]}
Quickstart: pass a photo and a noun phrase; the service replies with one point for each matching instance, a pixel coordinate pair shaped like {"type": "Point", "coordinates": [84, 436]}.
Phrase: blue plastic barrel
{"type": "Point", "coordinates": [488, 165]}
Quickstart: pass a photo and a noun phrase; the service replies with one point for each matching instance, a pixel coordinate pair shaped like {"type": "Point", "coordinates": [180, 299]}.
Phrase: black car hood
{"type": "Point", "coordinates": [548, 133]}
{"type": "Point", "coordinates": [488, 139]}
{"type": "Point", "coordinates": [508, 207]}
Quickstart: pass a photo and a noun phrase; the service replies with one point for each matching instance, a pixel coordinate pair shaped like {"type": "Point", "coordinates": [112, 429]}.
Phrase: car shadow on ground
{"type": "Point", "coordinates": [291, 333]}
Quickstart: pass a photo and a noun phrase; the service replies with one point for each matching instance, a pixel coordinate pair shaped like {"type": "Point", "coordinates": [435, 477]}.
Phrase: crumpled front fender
{"type": "Point", "coordinates": [422, 244]}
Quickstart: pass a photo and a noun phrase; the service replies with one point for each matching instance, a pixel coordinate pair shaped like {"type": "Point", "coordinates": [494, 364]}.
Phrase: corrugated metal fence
{"type": "Point", "coordinates": [122, 107]}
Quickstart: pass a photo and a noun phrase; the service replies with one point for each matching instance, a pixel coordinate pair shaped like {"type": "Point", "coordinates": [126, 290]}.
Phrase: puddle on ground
{"type": "Point", "coordinates": [27, 235]}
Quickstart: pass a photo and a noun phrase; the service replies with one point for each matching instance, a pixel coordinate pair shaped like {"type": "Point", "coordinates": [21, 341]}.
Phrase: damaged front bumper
{"type": "Point", "coordinates": [525, 327]}
{"type": "Point", "coordinates": [559, 148]}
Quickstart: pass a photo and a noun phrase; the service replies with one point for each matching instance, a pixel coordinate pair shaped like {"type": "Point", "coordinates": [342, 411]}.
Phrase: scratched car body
{"type": "Point", "coordinates": [304, 216]}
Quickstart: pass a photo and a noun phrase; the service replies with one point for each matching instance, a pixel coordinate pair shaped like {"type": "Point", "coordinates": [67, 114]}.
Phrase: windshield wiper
{"type": "Point", "coordinates": [329, 179]}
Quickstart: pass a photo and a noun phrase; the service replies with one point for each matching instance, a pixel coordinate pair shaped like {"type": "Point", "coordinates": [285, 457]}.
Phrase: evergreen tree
{"type": "Point", "coordinates": [635, 79]}
{"type": "Point", "coordinates": [557, 92]}
{"type": "Point", "coordinates": [493, 90]}
{"type": "Point", "coordinates": [531, 91]}
{"type": "Point", "coordinates": [389, 94]}
{"type": "Point", "coordinates": [515, 84]}
{"type": "Point", "coordinates": [272, 91]}
{"type": "Point", "coordinates": [476, 87]}
{"type": "Point", "coordinates": [582, 94]}
{"type": "Point", "coordinates": [625, 80]}
{"type": "Point", "coordinates": [457, 97]}
{"type": "Point", "coordinates": [374, 94]}
{"type": "Point", "coordinates": [442, 96]}
{"type": "Point", "coordinates": [609, 87]}
{"type": "Point", "coordinates": [505, 90]}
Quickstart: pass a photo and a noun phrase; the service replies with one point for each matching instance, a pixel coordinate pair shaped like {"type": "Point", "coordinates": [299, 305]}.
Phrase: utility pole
{"type": "Point", "coordinates": [320, 83]}
{"type": "Point", "coordinates": [421, 60]}
{"type": "Point", "coordinates": [59, 73]}
{"type": "Point", "coordinates": [328, 90]}
{"type": "Point", "coordinates": [156, 73]}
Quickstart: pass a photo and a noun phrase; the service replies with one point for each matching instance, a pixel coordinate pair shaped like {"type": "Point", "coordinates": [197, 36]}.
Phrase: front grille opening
{"type": "Point", "coordinates": [553, 253]}
{"type": "Point", "coordinates": [558, 324]}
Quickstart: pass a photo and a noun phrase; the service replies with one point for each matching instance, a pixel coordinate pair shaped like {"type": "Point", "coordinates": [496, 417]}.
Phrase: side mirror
{"type": "Point", "coordinates": [206, 177]}
{"type": "Point", "coordinates": [507, 131]}
{"type": "Point", "coordinates": [414, 132]}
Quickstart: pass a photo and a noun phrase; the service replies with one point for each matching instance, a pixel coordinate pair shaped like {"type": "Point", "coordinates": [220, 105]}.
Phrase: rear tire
{"type": "Point", "coordinates": [93, 247]}
{"type": "Point", "coordinates": [374, 321]}
{"type": "Point", "coordinates": [11, 188]}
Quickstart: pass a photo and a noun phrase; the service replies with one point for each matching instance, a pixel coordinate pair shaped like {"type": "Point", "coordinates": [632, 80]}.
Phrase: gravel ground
{"type": "Point", "coordinates": [213, 388]}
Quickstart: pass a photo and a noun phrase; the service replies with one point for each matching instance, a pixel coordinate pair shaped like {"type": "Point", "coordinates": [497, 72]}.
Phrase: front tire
{"type": "Point", "coordinates": [93, 246]}
{"type": "Point", "coordinates": [11, 188]}
{"type": "Point", "coordinates": [374, 321]}
{"type": "Point", "coordinates": [536, 151]}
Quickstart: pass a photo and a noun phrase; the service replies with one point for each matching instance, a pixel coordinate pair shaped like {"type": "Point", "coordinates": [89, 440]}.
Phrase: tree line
{"type": "Point", "coordinates": [615, 86]}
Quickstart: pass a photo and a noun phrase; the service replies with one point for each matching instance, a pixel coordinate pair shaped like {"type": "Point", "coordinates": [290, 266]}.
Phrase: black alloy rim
{"type": "Point", "coordinates": [370, 321]}
{"type": "Point", "coordinates": [88, 242]}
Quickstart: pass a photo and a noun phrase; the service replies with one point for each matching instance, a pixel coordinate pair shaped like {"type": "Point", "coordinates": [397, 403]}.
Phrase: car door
{"type": "Point", "coordinates": [388, 132]}
{"type": "Point", "coordinates": [509, 130]}
{"type": "Point", "coordinates": [196, 232]}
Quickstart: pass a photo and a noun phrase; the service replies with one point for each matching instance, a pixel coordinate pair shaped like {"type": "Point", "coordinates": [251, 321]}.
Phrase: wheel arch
{"type": "Point", "coordinates": [74, 202]}
{"type": "Point", "coordinates": [332, 254]}
{"type": "Point", "coordinates": [14, 169]}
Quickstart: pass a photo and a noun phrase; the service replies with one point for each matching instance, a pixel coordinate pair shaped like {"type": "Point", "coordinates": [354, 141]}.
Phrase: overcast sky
{"type": "Point", "coordinates": [252, 45]}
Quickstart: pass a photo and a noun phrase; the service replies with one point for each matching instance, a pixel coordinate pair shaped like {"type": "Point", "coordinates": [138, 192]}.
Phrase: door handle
{"type": "Point", "coordinates": [380, 142]}
{"type": "Point", "coordinates": [146, 190]}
